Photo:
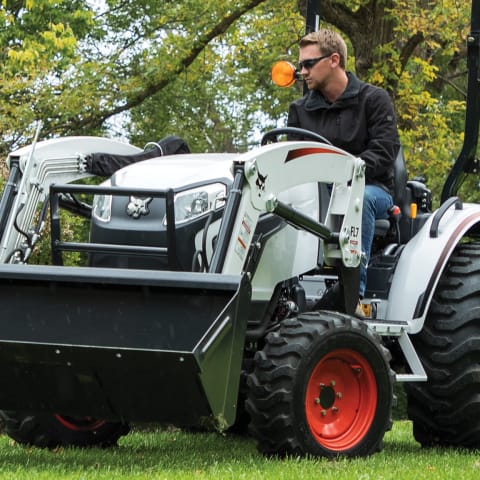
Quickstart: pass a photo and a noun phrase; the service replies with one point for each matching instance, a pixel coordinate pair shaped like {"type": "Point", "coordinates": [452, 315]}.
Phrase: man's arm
{"type": "Point", "coordinates": [382, 148]}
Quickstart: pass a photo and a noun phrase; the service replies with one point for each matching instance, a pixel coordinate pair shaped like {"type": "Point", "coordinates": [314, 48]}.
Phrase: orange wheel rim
{"type": "Point", "coordinates": [86, 424]}
{"type": "Point", "coordinates": [341, 399]}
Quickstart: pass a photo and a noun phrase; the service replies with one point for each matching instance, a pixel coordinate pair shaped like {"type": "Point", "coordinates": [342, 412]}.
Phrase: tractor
{"type": "Point", "coordinates": [218, 291]}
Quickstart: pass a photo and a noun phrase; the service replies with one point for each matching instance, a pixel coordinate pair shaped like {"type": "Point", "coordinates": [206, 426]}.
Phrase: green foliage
{"type": "Point", "coordinates": [424, 62]}
{"type": "Point", "coordinates": [38, 45]}
{"type": "Point", "coordinates": [74, 229]}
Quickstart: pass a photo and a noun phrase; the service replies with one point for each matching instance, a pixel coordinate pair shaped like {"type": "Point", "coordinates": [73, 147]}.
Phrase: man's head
{"type": "Point", "coordinates": [322, 60]}
{"type": "Point", "coordinates": [327, 42]}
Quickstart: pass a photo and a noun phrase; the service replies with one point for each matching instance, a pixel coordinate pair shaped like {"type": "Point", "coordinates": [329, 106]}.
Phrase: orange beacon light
{"type": "Point", "coordinates": [284, 74]}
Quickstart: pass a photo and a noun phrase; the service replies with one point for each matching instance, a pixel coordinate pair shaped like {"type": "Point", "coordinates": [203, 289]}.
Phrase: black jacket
{"type": "Point", "coordinates": [361, 121]}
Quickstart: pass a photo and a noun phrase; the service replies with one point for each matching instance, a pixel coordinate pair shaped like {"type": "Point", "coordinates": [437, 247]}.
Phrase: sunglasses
{"type": "Point", "coordinates": [311, 62]}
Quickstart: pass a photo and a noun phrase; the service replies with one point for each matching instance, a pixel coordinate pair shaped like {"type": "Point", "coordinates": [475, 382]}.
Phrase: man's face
{"type": "Point", "coordinates": [316, 72]}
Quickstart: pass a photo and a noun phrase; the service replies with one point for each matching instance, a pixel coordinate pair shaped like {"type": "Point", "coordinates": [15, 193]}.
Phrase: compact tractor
{"type": "Point", "coordinates": [218, 290]}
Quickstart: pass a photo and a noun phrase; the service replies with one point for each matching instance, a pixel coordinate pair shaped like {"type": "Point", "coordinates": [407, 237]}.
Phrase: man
{"type": "Point", "coordinates": [353, 115]}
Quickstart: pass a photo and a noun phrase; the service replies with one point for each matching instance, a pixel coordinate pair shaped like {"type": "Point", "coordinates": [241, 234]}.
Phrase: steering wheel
{"type": "Point", "coordinates": [272, 135]}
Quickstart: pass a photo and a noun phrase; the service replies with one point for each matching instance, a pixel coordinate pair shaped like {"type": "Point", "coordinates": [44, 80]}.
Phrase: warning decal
{"type": "Point", "coordinates": [243, 238]}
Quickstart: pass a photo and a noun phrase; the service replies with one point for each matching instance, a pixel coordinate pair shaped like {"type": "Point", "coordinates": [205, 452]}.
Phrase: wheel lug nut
{"type": "Point", "coordinates": [324, 412]}
{"type": "Point", "coordinates": [334, 409]}
{"type": "Point", "coordinates": [339, 395]}
{"type": "Point", "coordinates": [332, 383]}
{"type": "Point", "coordinates": [317, 401]}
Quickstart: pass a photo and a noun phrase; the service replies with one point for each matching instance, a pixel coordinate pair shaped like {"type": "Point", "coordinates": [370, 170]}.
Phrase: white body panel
{"type": "Point", "coordinates": [422, 262]}
{"type": "Point", "coordinates": [290, 250]}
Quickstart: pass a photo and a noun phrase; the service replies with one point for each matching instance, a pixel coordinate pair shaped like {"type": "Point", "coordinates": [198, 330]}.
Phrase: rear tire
{"type": "Point", "coordinates": [321, 386]}
{"type": "Point", "coordinates": [445, 409]}
{"type": "Point", "coordinates": [50, 431]}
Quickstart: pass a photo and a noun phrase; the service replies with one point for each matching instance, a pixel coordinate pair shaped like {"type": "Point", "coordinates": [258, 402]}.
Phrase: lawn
{"type": "Point", "coordinates": [167, 454]}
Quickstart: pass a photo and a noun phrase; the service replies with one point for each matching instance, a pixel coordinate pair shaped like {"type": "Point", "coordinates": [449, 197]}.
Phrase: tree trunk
{"type": "Point", "coordinates": [368, 28]}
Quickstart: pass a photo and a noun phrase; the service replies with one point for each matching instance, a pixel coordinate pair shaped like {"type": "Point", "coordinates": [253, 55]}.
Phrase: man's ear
{"type": "Point", "coordinates": [335, 59]}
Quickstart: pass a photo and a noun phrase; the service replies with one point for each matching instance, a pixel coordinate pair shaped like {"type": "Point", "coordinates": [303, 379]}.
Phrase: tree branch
{"type": "Point", "coordinates": [96, 120]}
{"type": "Point", "coordinates": [409, 47]}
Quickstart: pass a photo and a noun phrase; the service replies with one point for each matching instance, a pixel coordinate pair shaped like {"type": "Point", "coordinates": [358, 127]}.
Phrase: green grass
{"type": "Point", "coordinates": [180, 455]}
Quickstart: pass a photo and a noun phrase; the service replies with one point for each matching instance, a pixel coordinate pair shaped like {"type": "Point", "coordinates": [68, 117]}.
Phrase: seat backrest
{"type": "Point", "coordinates": [383, 226]}
{"type": "Point", "coordinates": [400, 177]}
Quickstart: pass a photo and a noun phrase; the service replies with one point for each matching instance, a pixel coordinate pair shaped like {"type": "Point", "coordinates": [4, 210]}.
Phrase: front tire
{"type": "Point", "coordinates": [445, 409]}
{"type": "Point", "coordinates": [322, 386]}
{"type": "Point", "coordinates": [50, 431]}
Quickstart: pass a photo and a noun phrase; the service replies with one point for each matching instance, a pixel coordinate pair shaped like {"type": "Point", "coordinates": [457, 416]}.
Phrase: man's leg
{"type": "Point", "coordinates": [376, 203]}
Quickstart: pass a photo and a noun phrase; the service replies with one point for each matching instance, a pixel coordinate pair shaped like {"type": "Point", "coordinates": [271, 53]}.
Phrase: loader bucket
{"type": "Point", "coordinates": [122, 344]}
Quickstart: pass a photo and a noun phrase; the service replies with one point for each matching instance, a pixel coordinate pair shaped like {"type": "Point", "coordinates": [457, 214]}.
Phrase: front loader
{"type": "Point", "coordinates": [218, 290]}
{"type": "Point", "coordinates": [147, 345]}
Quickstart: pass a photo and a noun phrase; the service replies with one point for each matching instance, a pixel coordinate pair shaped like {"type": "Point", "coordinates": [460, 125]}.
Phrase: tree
{"type": "Point", "coordinates": [38, 43]}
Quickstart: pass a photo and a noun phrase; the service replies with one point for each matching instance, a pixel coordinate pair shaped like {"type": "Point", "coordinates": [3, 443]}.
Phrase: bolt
{"type": "Point", "coordinates": [271, 204]}
{"type": "Point", "coordinates": [334, 409]}
{"type": "Point", "coordinates": [251, 169]}
{"type": "Point", "coordinates": [317, 401]}
{"type": "Point", "coordinates": [339, 395]}
{"type": "Point", "coordinates": [324, 413]}
{"type": "Point", "coordinates": [322, 386]}
{"type": "Point", "coordinates": [332, 383]}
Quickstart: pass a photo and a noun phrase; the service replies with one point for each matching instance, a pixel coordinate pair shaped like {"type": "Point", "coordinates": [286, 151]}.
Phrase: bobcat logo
{"type": "Point", "coordinates": [138, 206]}
{"type": "Point", "coordinates": [260, 182]}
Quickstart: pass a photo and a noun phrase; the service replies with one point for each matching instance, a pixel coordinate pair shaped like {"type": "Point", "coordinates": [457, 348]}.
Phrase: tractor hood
{"type": "Point", "coordinates": [175, 171]}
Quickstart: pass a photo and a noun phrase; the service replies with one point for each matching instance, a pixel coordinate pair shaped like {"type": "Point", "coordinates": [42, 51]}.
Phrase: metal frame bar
{"type": "Point", "coordinates": [58, 246]}
{"type": "Point", "coordinates": [467, 161]}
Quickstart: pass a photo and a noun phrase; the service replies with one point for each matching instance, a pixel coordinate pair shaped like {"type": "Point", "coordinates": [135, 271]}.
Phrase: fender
{"type": "Point", "coordinates": [423, 260]}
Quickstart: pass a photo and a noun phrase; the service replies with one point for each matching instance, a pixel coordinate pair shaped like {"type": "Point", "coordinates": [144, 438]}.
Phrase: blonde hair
{"type": "Point", "coordinates": [328, 42]}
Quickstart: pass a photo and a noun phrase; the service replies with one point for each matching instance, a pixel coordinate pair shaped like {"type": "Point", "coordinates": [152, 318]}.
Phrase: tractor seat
{"type": "Point", "coordinates": [382, 226]}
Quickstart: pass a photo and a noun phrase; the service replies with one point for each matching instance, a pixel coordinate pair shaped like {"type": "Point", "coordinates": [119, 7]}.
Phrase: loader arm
{"type": "Point", "coordinates": [32, 170]}
{"type": "Point", "coordinates": [262, 175]}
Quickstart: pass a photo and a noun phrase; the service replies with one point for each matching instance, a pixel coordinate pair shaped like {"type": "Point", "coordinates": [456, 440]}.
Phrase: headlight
{"type": "Point", "coordinates": [189, 204]}
{"type": "Point", "coordinates": [198, 201]}
{"type": "Point", "coordinates": [102, 207]}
